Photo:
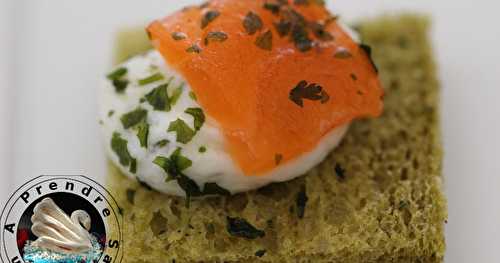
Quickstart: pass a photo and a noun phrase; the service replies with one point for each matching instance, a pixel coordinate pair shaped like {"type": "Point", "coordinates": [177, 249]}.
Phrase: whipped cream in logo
{"type": "Point", "coordinates": [59, 232]}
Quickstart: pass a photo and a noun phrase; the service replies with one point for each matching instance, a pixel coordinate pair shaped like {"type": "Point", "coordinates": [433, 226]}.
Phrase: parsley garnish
{"type": "Point", "coordinates": [134, 117]}
{"type": "Point", "coordinates": [209, 17]}
{"type": "Point", "coordinates": [158, 98]}
{"type": "Point", "coordinates": [403, 204]}
{"type": "Point", "coordinates": [133, 165]}
{"type": "Point", "coordinates": [313, 92]}
{"type": "Point", "coordinates": [151, 79]}
{"type": "Point", "coordinates": [202, 149]}
{"type": "Point", "coordinates": [162, 143]}
{"type": "Point", "coordinates": [252, 23]}
{"type": "Point", "coordinates": [283, 27]}
{"type": "Point", "coordinates": [174, 165]}
{"type": "Point", "coordinates": [119, 147]}
{"type": "Point", "coordinates": [178, 36]}
{"type": "Point", "coordinates": [273, 7]}
{"type": "Point", "coordinates": [239, 227]}
{"type": "Point", "coordinates": [340, 172]}
{"type": "Point", "coordinates": [194, 49]}
{"type": "Point", "coordinates": [320, 32]}
{"type": "Point", "coordinates": [143, 133]}
{"type": "Point", "coordinates": [184, 133]}
{"type": "Point", "coordinates": [354, 77]}
{"type": "Point", "coordinates": [301, 38]}
{"type": "Point", "coordinates": [176, 94]}
{"type": "Point", "coordinates": [216, 36]}
{"type": "Point", "coordinates": [192, 95]}
{"type": "Point", "coordinates": [117, 74]}
{"type": "Point", "coordinates": [110, 113]}
{"type": "Point", "coordinates": [301, 202]}
{"type": "Point", "coordinates": [260, 253]}
{"type": "Point", "coordinates": [120, 85]}
{"type": "Point", "coordinates": [265, 40]}
{"type": "Point", "coordinates": [198, 115]}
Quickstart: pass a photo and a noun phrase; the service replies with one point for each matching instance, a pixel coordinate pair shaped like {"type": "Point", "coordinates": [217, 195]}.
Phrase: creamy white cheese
{"type": "Point", "coordinates": [215, 165]}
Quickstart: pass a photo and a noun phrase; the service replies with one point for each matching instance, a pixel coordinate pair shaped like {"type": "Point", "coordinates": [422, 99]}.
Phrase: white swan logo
{"type": "Point", "coordinates": [53, 219]}
{"type": "Point", "coordinates": [58, 232]}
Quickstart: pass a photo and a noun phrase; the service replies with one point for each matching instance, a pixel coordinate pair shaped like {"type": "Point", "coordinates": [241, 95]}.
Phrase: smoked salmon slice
{"type": "Point", "coordinates": [277, 76]}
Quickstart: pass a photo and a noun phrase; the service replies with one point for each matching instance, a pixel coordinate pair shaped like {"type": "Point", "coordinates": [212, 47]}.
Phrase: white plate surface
{"type": "Point", "coordinates": [54, 52]}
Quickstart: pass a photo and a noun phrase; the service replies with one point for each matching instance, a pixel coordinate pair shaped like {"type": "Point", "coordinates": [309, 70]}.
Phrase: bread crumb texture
{"type": "Point", "coordinates": [377, 198]}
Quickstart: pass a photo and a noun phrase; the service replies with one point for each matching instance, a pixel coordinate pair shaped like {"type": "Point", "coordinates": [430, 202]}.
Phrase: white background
{"type": "Point", "coordinates": [54, 52]}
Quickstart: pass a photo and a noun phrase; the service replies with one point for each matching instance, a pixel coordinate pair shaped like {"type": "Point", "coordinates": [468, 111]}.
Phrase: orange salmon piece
{"type": "Point", "coordinates": [277, 76]}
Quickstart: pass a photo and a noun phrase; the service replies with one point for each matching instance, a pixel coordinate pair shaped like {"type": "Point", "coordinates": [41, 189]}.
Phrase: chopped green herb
{"type": "Point", "coordinates": [283, 27]}
{"type": "Point", "coordinates": [320, 32]}
{"type": "Point", "coordinates": [166, 164]}
{"type": "Point", "coordinates": [110, 113]}
{"type": "Point", "coordinates": [134, 117]}
{"type": "Point", "coordinates": [278, 158]}
{"type": "Point", "coordinates": [368, 50]}
{"type": "Point", "coordinates": [343, 53]}
{"type": "Point", "coordinates": [215, 37]}
{"type": "Point", "coordinates": [202, 149]}
{"type": "Point", "coordinates": [301, 202]}
{"type": "Point", "coordinates": [303, 90]}
{"type": "Point", "coordinates": [143, 133]}
{"type": "Point", "coordinates": [133, 165]}
{"type": "Point", "coordinates": [215, 189]}
{"type": "Point", "coordinates": [190, 188]}
{"type": "Point", "coordinates": [301, 38]}
{"type": "Point", "coordinates": [340, 172]}
{"type": "Point", "coordinates": [162, 143]}
{"type": "Point", "coordinates": [265, 40]}
{"type": "Point", "coordinates": [192, 95]}
{"type": "Point", "coordinates": [130, 195]}
{"type": "Point", "coordinates": [174, 165]}
{"type": "Point", "coordinates": [120, 85]}
{"type": "Point", "coordinates": [151, 79]}
{"type": "Point", "coordinates": [403, 204]}
{"type": "Point", "coordinates": [208, 17]}
{"type": "Point", "coordinates": [181, 162]}
{"type": "Point", "coordinates": [252, 23]}
{"type": "Point", "coordinates": [354, 77]}
{"type": "Point", "coordinates": [158, 98]}
{"type": "Point", "coordinates": [198, 115]}
{"type": "Point", "coordinates": [194, 49]}
{"type": "Point", "coordinates": [178, 36]}
{"type": "Point", "coordinates": [273, 7]}
{"type": "Point", "coordinates": [120, 148]}
{"type": "Point", "coordinates": [142, 100]}
{"type": "Point", "coordinates": [101, 122]}
{"type": "Point", "coordinates": [176, 94]}
{"type": "Point", "coordinates": [239, 227]}
{"type": "Point", "coordinates": [117, 74]}
{"type": "Point", "coordinates": [184, 133]}
{"type": "Point", "coordinates": [260, 253]}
